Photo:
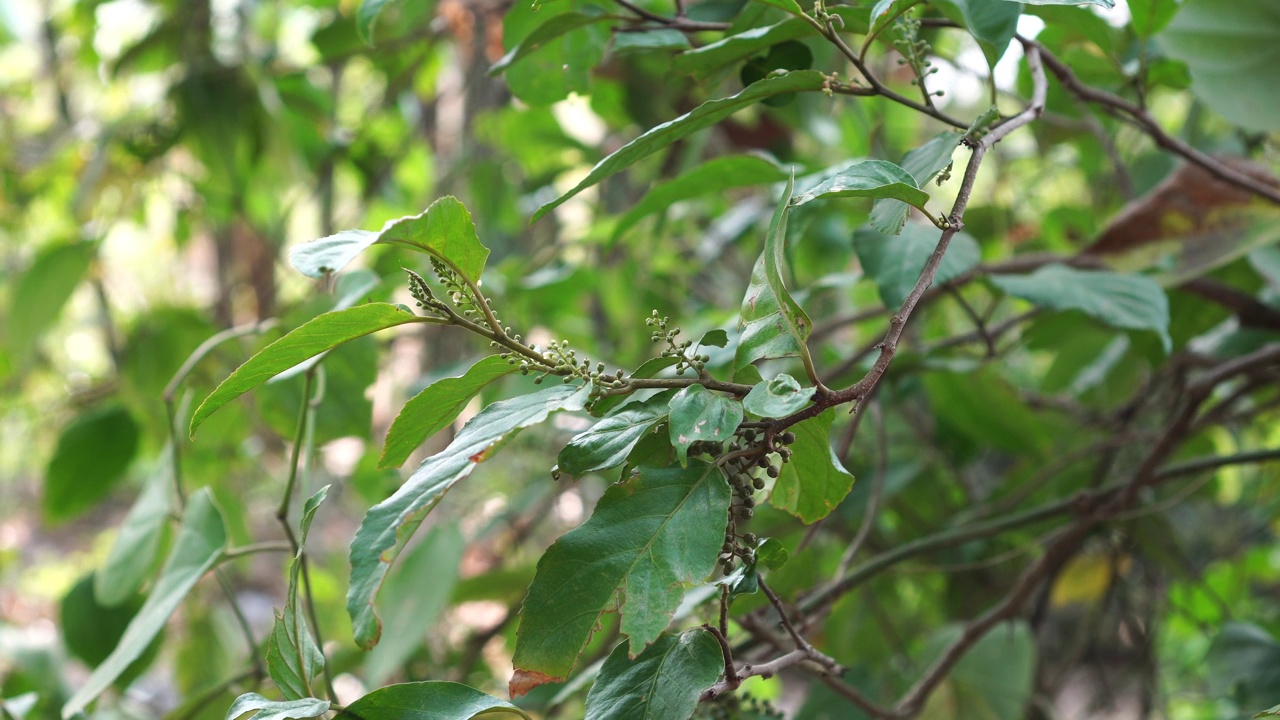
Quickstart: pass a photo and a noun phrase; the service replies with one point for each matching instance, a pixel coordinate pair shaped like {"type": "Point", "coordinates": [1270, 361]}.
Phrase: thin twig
{"type": "Point", "coordinates": [877, 490]}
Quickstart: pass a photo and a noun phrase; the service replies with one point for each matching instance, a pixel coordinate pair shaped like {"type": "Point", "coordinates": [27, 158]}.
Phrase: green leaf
{"type": "Point", "coordinates": [664, 681]}
{"type": "Point", "coordinates": [330, 254]}
{"type": "Point", "coordinates": [1273, 712]}
{"type": "Point", "coordinates": [895, 263]}
{"type": "Point", "coordinates": [433, 409]}
{"type": "Point", "coordinates": [554, 27]}
{"type": "Point", "coordinates": [773, 324]}
{"type": "Point", "coordinates": [868, 178]}
{"type": "Point", "coordinates": [712, 177]}
{"type": "Point", "coordinates": [323, 333]}
{"type": "Point", "coordinates": [389, 524]}
{"type": "Point", "coordinates": [410, 606]}
{"type": "Point", "coordinates": [714, 338]}
{"type": "Point", "coordinates": [444, 230]}
{"type": "Point", "coordinates": [427, 701]}
{"type": "Point", "coordinates": [703, 116]}
{"type": "Point", "coordinates": [776, 398]}
{"type": "Point", "coordinates": [1232, 49]}
{"type": "Point", "coordinates": [562, 60]}
{"type": "Point", "coordinates": [814, 482]}
{"type": "Point", "coordinates": [697, 414]}
{"type": "Point", "coordinates": [923, 163]}
{"type": "Point", "coordinates": [293, 659]}
{"type": "Point", "coordinates": [608, 443]}
{"type": "Point", "coordinates": [200, 543]}
{"type": "Point", "coordinates": [276, 709]}
{"type": "Point", "coordinates": [137, 542]}
{"type": "Point", "coordinates": [992, 681]}
{"type": "Point", "coordinates": [41, 291]}
{"type": "Point", "coordinates": [649, 535]}
{"type": "Point", "coordinates": [1151, 16]}
{"type": "Point", "coordinates": [366, 16]}
{"type": "Point", "coordinates": [649, 40]}
{"type": "Point", "coordinates": [92, 455]}
{"type": "Point", "coordinates": [993, 23]}
{"type": "Point", "coordinates": [772, 554]}
{"type": "Point", "coordinates": [1243, 662]}
{"type": "Point", "coordinates": [1104, 3]}
{"type": "Point", "coordinates": [1131, 302]}
{"type": "Point", "coordinates": [90, 631]}
{"type": "Point", "coordinates": [790, 6]}
{"type": "Point", "coordinates": [730, 50]}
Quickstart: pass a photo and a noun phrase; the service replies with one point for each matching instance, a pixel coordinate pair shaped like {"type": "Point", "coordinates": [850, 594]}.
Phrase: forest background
{"type": "Point", "coordinates": [976, 303]}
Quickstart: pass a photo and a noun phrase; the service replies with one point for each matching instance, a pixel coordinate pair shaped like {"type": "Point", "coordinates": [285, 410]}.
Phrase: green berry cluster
{"type": "Point", "coordinates": [675, 350]}
{"type": "Point", "coordinates": [750, 459]}
{"type": "Point", "coordinates": [733, 706]}
{"type": "Point", "coordinates": [915, 52]}
{"type": "Point", "coordinates": [426, 299]}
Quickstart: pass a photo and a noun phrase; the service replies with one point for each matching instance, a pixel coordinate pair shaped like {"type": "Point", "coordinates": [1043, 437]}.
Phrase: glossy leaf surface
{"type": "Point", "coordinates": [428, 701]}
{"type": "Point", "coordinates": [698, 414]}
{"type": "Point", "coordinates": [1132, 302]}
{"type": "Point", "coordinates": [390, 523]}
{"type": "Point", "coordinates": [321, 334]}
{"type": "Point", "coordinates": [649, 536]}
{"type": "Point", "coordinates": [813, 482]}
{"type": "Point", "coordinates": [608, 443]}
{"type": "Point", "coordinates": [776, 398]}
{"type": "Point", "coordinates": [664, 681]}
{"type": "Point", "coordinates": [433, 409]}
{"type": "Point", "coordinates": [773, 324]}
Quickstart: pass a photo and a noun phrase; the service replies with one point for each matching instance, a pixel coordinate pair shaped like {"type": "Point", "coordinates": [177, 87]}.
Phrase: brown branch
{"type": "Point", "coordinates": [1143, 120]}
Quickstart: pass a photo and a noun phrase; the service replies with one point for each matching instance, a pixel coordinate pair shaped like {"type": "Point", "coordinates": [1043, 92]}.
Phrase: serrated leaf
{"type": "Point", "coordinates": [665, 681]}
{"type": "Point", "coordinates": [649, 535]}
{"type": "Point", "coordinates": [698, 414]}
{"type": "Point", "coordinates": [814, 482]}
{"type": "Point", "coordinates": [389, 524]}
{"type": "Point", "coordinates": [924, 163]}
{"type": "Point", "coordinates": [608, 443]}
{"type": "Point", "coordinates": [201, 540]}
{"type": "Point", "coordinates": [276, 709]}
{"type": "Point", "coordinates": [776, 398]}
{"type": "Point", "coordinates": [1231, 50]}
{"type": "Point", "coordinates": [773, 324]}
{"type": "Point", "coordinates": [293, 659]}
{"type": "Point", "coordinates": [133, 553]}
{"type": "Point", "coordinates": [556, 26]}
{"type": "Point", "coordinates": [411, 607]}
{"type": "Point", "coordinates": [712, 177]}
{"type": "Point", "coordinates": [868, 178]}
{"type": "Point", "coordinates": [703, 116]}
{"type": "Point", "coordinates": [431, 410]}
{"type": "Point", "coordinates": [444, 230]}
{"type": "Point", "coordinates": [895, 262]}
{"type": "Point", "coordinates": [367, 15]}
{"type": "Point", "coordinates": [427, 701]}
{"type": "Point", "coordinates": [93, 454]}
{"type": "Point", "coordinates": [316, 336]}
{"type": "Point", "coordinates": [1131, 302]}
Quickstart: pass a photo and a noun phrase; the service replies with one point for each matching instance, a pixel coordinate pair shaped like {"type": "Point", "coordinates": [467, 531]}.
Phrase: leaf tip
{"type": "Point", "coordinates": [522, 681]}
